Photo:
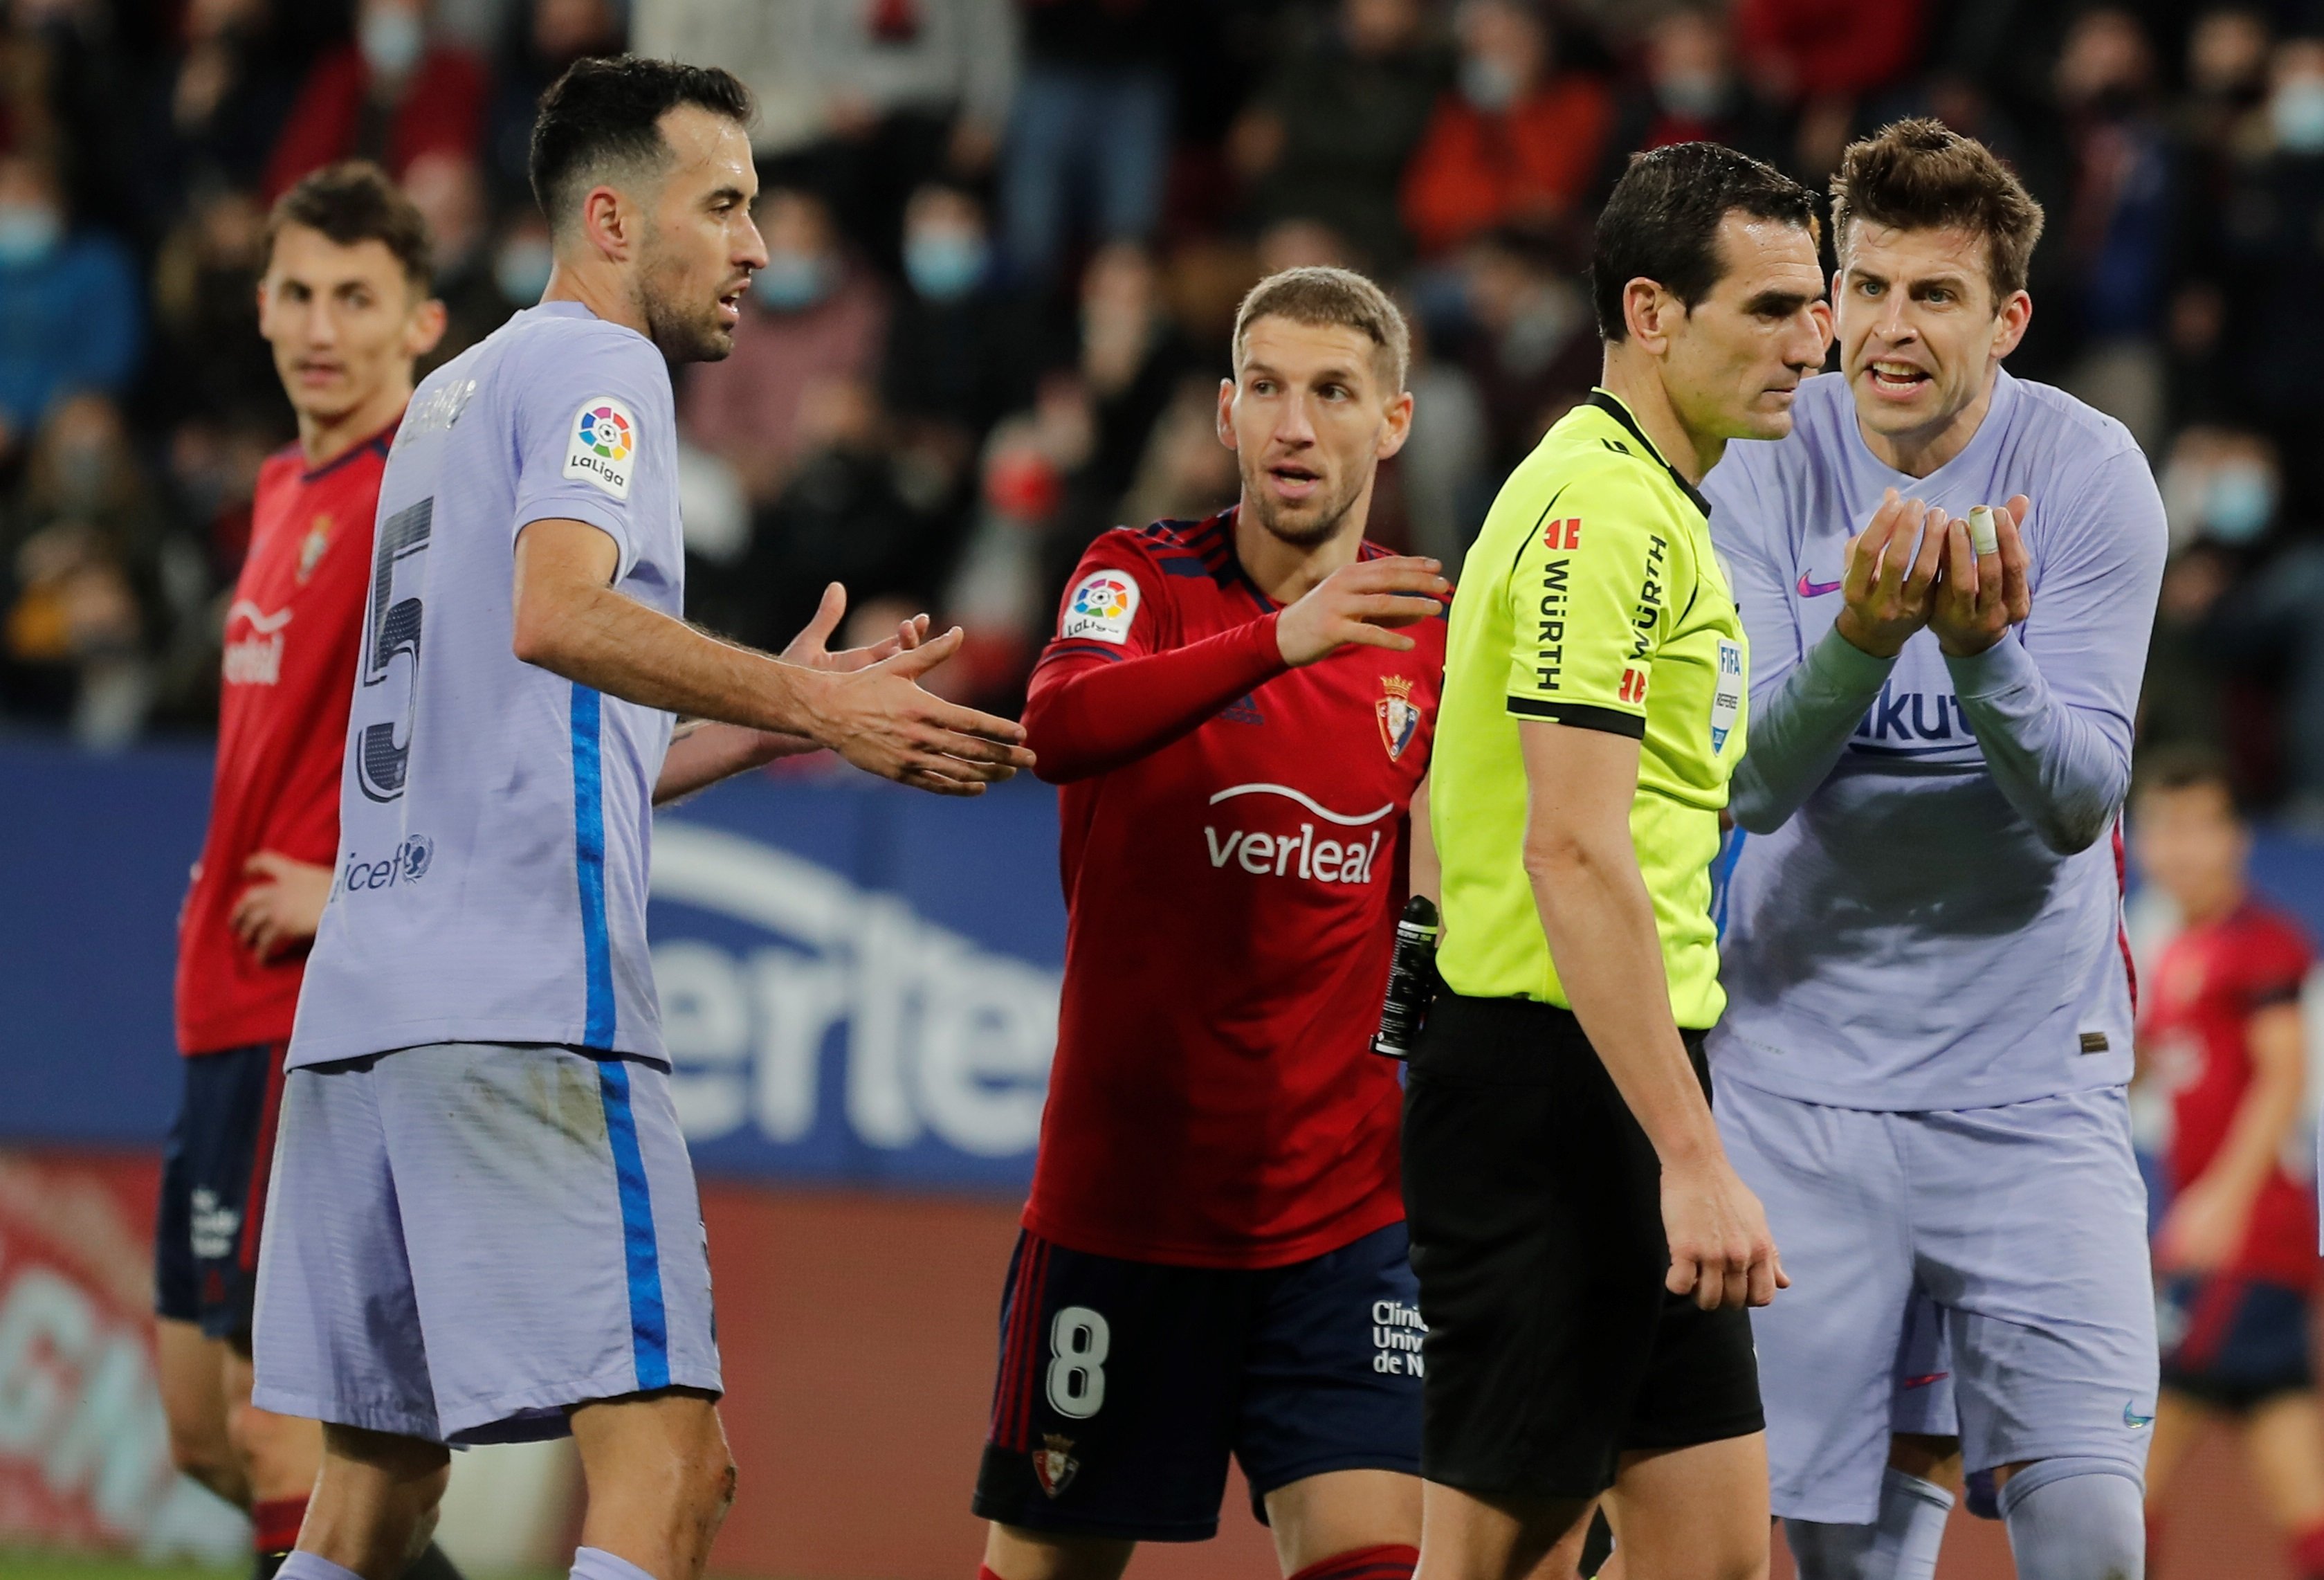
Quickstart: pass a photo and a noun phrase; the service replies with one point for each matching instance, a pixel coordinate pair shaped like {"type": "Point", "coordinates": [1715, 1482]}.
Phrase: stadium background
{"type": "Point", "coordinates": [1007, 237]}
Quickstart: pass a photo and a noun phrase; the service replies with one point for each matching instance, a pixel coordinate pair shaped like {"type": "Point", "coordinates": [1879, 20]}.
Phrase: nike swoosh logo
{"type": "Point", "coordinates": [2133, 1420]}
{"type": "Point", "coordinates": [1815, 589]}
{"type": "Point", "coordinates": [1925, 1381]}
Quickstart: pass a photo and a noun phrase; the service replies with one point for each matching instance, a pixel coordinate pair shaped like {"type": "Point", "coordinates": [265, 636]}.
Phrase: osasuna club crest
{"type": "Point", "coordinates": [1054, 1464]}
{"type": "Point", "coordinates": [1400, 720]}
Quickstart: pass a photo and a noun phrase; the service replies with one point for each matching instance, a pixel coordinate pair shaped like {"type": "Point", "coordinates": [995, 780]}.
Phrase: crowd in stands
{"type": "Point", "coordinates": [1006, 239]}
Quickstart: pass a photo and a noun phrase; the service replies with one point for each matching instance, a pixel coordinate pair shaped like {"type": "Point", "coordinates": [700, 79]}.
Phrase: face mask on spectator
{"type": "Point", "coordinates": [2238, 502]}
{"type": "Point", "coordinates": [29, 232]}
{"type": "Point", "coordinates": [522, 268]}
{"type": "Point", "coordinates": [393, 42]}
{"type": "Point", "coordinates": [81, 472]}
{"type": "Point", "coordinates": [792, 282]}
{"type": "Point", "coordinates": [1695, 95]}
{"type": "Point", "coordinates": [1491, 85]}
{"type": "Point", "coordinates": [2297, 114]}
{"type": "Point", "coordinates": [944, 265]}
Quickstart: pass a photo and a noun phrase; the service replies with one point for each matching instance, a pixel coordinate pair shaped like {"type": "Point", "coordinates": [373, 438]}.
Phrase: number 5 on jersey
{"type": "Point", "coordinates": [394, 627]}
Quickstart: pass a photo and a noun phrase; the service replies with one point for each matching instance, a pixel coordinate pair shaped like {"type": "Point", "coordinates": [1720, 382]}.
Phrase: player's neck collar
{"type": "Point", "coordinates": [1610, 404]}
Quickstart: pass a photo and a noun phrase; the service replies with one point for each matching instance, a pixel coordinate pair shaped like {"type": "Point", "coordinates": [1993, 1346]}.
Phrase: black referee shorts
{"type": "Point", "coordinates": [1536, 1208]}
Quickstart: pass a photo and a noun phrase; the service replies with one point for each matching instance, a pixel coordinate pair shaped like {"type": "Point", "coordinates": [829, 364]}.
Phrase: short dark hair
{"type": "Point", "coordinates": [1662, 222]}
{"type": "Point", "coordinates": [1923, 175]}
{"type": "Point", "coordinates": [609, 110]}
{"type": "Point", "coordinates": [354, 201]}
{"type": "Point", "coordinates": [1320, 294]}
{"type": "Point", "coordinates": [2185, 766]}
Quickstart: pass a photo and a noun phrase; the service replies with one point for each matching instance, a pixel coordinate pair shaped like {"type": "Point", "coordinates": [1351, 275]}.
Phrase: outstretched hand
{"type": "Point", "coordinates": [1980, 596]}
{"type": "Point", "coordinates": [878, 718]}
{"type": "Point", "coordinates": [1360, 605]}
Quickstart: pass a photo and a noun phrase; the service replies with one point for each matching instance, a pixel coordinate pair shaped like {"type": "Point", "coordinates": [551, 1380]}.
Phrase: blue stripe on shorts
{"type": "Point", "coordinates": [649, 1327]}
{"type": "Point", "coordinates": [589, 863]}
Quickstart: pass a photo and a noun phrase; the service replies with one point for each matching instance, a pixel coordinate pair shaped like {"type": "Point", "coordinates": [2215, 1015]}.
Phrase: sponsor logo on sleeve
{"type": "Point", "coordinates": [1102, 605]}
{"type": "Point", "coordinates": [604, 445]}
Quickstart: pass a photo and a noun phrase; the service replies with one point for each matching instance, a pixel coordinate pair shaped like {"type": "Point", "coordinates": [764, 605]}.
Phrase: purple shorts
{"type": "Point", "coordinates": [1978, 1271]}
{"type": "Point", "coordinates": [464, 1240]}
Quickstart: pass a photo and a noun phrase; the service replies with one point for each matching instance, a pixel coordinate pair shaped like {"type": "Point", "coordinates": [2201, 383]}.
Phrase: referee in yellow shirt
{"type": "Point", "coordinates": [1585, 1253]}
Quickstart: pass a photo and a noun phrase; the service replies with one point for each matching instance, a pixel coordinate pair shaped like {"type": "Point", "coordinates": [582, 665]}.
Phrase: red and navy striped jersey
{"type": "Point", "coordinates": [2195, 1035]}
{"type": "Point", "coordinates": [1231, 899]}
{"type": "Point", "coordinates": [291, 632]}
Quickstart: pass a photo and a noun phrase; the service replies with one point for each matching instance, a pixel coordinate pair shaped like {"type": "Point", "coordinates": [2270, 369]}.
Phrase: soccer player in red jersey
{"type": "Point", "coordinates": [1213, 1259]}
{"type": "Point", "coordinates": [346, 303]}
{"type": "Point", "coordinates": [2221, 1031]}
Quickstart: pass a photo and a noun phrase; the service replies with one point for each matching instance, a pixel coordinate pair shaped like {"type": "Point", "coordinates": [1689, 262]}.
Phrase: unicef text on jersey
{"type": "Point", "coordinates": [854, 991]}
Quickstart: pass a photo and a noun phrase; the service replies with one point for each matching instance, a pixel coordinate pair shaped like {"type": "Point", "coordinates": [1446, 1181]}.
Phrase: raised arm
{"type": "Point", "coordinates": [1093, 709]}
{"type": "Point", "coordinates": [2054, 712]}
{"type": "Point", "coordinates": [570, 621]}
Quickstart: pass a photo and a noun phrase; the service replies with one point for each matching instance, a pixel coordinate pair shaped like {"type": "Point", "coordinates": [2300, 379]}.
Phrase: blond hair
{"type": "Point", "coordinates": [1321, 295]}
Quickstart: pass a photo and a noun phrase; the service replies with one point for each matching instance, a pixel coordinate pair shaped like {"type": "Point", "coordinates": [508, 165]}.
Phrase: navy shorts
{"type": "Point", "coordinates": [1125, 1385]}
{"type": "Point", "coordinates": [2232, 1342]}
{"type": "Point", "coordinates": [214, 1188]}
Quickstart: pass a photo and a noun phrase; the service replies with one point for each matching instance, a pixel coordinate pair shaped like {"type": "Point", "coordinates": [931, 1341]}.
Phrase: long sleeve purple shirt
{"type": "Point", "coordinates": [1925, 910]}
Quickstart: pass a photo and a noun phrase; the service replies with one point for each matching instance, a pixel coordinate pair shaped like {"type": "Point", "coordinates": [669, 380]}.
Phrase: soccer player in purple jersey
{"type": "Point", "coordinates": [483, 1226]}
{"type": "Point", "coordinates": [1922, 1066]}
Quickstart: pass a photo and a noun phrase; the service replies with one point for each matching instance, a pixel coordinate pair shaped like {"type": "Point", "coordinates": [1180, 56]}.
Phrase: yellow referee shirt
{"type": "Point", "coordinates": [1591, 598]}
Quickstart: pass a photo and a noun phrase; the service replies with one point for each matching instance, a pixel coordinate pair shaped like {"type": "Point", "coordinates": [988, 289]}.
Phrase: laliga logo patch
{"type": "Point", "coordinates": [1101, 607]}
{"type": "Point", "coordinates": [1054, 1464]}
{"type": "Point", "coordinates": [604, 445]}
{"type": "Point", "coordinates": [1400, 720]}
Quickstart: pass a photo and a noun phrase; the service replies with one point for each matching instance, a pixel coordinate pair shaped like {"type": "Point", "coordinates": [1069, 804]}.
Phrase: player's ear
{"type": "Point", "coordinates": [2009, 326]}
{"type": "Point", "coordinates": [1395, 426]}
{"type": "Point", "coordinates": [425, 327]}
{"type": "Point", "coordinates": [1645, 309]}
{"type": "Point", "coordinates": [1226, 412]}
{"type": "Point", "coordinates": [605, 222]}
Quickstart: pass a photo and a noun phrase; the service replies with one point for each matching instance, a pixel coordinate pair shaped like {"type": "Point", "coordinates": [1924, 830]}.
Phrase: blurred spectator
{"type": "Point", "coordinates": [1516, 143]}
{"type": "Point", "coordinates": [963, 350]}
{"type": "Point", "coordinates": [1091, 122]}
{"type": "Point", "coordinates": [86, 599]}
{"type": "Point", "coordinates": [2223, 114]}
{"type": "Point", "coordinates": [1532, 348]}
{"type": "Point", "coordinates": [213, 364]}
{"type": "Point", "coordinates": [390, 96]}
{"type": "Point", "coordinates": [1445, 466]}
{"type": "Point", "coordinates": [814, 315]}
{"type": "Point", "coordinates": [1131, 360]}
{"type": "Point", "coordinates": [523, 259]}
{"type": "Point", "coordinates": [2113, 242]}
{"type": "Point", "coordinates": [2272, 252]}
{"type": "Point", "coordinates": [1327, 137]}
{"type": "Point", "coordinates": [1186, 472]}
{"type": "Point", "coordinates": [216, 111]}
{"type": "Point", "coordinates": [2220, 486]}
{"type": "Point", "coordinates": [860, 100]}
{"type": "Point", "coordinates": [539, 39]}
{"type": "Point", "coordinates": [1820, 57]}
{"type": "Point", "coordinates": [845, 514]}
{"type": "Point", "coordinates": [1686, 90]}
{"type": "Point", "coordinates": [71, 317]}
{"type": "Point", "coordinates": [449, 190]}
{"type": "Point", "coordinates": [1011, 572]}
